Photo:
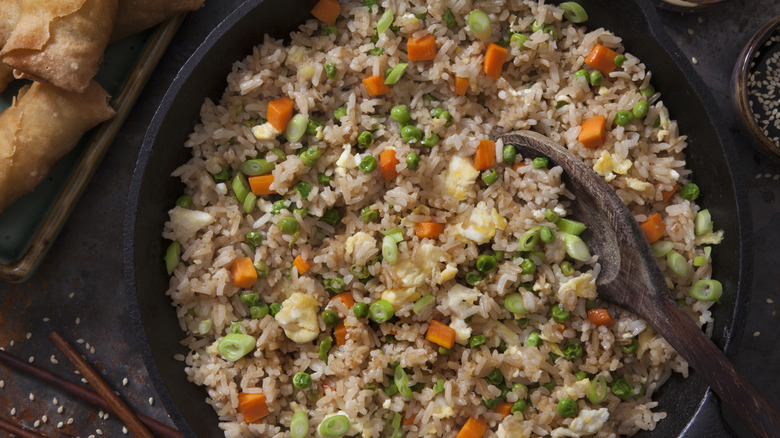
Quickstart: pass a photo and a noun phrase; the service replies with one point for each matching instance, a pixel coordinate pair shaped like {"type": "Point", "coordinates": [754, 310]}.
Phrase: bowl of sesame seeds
{"type": "Point", "coordinates": [755, 86]}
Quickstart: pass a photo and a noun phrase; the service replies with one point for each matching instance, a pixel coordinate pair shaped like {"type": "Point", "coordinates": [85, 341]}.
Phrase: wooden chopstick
{"type": "Point", "coordinates": [18, 430]}
{"type": "Point", "coordinates": [159, 429]}
{"type": "Point", "coordinates": [101, 387]}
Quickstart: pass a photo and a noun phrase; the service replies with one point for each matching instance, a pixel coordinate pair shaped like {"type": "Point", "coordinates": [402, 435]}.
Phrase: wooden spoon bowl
{"type": "Point", "coordinates": [630, 277]}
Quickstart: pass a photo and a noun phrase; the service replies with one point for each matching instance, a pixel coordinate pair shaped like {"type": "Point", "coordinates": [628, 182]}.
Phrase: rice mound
{"type": "Point", "coordinates": [536, 90]}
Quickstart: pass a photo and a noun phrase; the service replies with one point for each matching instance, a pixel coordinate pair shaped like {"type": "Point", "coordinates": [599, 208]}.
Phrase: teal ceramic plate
{"type": "Point", "coordinates": [29, 226]}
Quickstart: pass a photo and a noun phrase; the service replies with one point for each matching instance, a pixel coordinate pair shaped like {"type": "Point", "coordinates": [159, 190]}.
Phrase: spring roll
{"type": "Point", "coordinates": [9, 14]}
{"type": "Point", "coordinates": [136, 15]}
{"type": "Point", "coordinates": [60, 41]}
{"type": "Point", "coordinates": [6, 76]}
{"type": "Point", "coordinates": [43, 124]}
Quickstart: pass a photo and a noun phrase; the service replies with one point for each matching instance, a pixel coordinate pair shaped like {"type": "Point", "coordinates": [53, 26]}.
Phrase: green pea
{"type": "Point", "coordinates": [430, 141]}
{"type": "Point", "coordinates": [519, 406]}
{"type": "Point", "coordinates": [330, 318]}
{"type": "Point", "coordinates": [590, 304]}
{"type": "Point", "coordinates": [486, 264]}
{"type": "Point", "coordinates": [620, 59]}
{"type": "Point", "coordinates": [495, 377]}
{"type": "Point", "coordinates": [690, 192]}
{"type": "Point", "coordinates": [288, 225]}
{"type": "Point", "coordinates": [624, 117]}
{"type": "Point", "coordinates": [640, 109]}
{"type": "Point", "coordinates": [324, 348]}
{"type": "Point", "coordinates": [473, 277]}
{"type": "Point", "coordinates": [400, 113]}
{"type": "Point", "coordinates": [508, 154]}
{"type": "Point", "coordinates": [622, 389]}
{"type": "Point", "coordinates": [365, 139]}
{"type": "Point", "coordinates": [440, 113]}
{"type": "Point", "coordinates": [278, 206]}
{"type": "Point", "coordinates": [412, 160]}
{"type": "Point", "coordinates": [534, 340]}
{"type": "Point", "coordinates": [250, 299]}
{"type": "Point", "coordinates": [572, 351]}
{"type": "Point", "coordinates": [331, 216]}
{"type": "Point", "coordinates": [184, 201]}
{"type": "Point", "coordinates": [259, 311]}
{"type": "Point", "coordinates": [367, 164]}
{"type": "Point", "coordinates": [567, 407]}
{"type": "Point", "coordinates": [528, 266]}
{"type": "Point", "coordinates": [490, 403]}
{"type": "Point", "coordinates": [340, 112]}
{"type": "Point", "coordinates": [254, 238]}
{"type": "Point", "coordinates": [360, 310]}
{"type": "Point", "coordinates": [376, 51]}
{"type": "Point", "coordinates": [324, 179]}
{"type": "Point", "coordinates": [582, 73]}
{"type": "Point", "coordinates": [302, 380]}
{"type": "Point", "coordinates": [329, 29]}
{"type": "Point", "coordinates": [444, 351]}
{"type": "Point", "coordinates": [310, 155]}
{"type": "Point", "coordinates": [411, 134]}
{"type": "Point", "coordinates": [330, 70]}
{"type": "Point", "coordinates": [448, 18]}
{"type": "Point", "coordinates": [221, 176]}
{"type": "Point", "coordinates": [490, 177]}
{"type": "Point", "coordinates": [596, 78]}
{"type": "Point", "coordinates": [630, 348]}
{"type": "Point", "coordinates": [648, 91]}
{"type": "Point", "coordinates": [547, 234]}
{"type": "Point", "coordinates": [477, 340]}
{"type": "Point", "coordinates": [581, 375]}
{"type": "Point", "coordinates": [566, 268]}
{"type": "Point", "coordinates": [368, 214]}
{"type": "Point", "coordinates": [559, 314]}
{"type": "Point", "coordinates": [541, 162]}
{"type": "Point", "coordinates": [275, 308]}
{"type": "Point", "coordinates": [304, 189]}
{"type": "Point", "coordinates": [262, 269]}
{"type": "Point", "coordinates": [519, 38]}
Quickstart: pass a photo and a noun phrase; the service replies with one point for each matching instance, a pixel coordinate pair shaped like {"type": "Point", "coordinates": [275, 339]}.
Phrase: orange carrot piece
{"type": "Point", "coordinates": [654, 227]}
{"type": "Point", "coordinates": [280, 112]}
{"type": "Point", "coordinates": [375, 85]}
{"type": "Point", "coordinates": [593, 131]}
{"type": "Point", "coordinates": [326, 11]}
{"type": "Point", "coordinates": [340, 333]}
{"type": "Point", "coordinates": [440, 334]}
{"type": "Point", "coordinates": [421, 49]}
{"type": "Point", "coordinates": [494, 60]}
{"type": "Point", "coordinates": [346, 298]}
{"type": "Point", "coordinates": [252, 406]}
{"type": "Point", "coordinates": [669, 193]}
{"type": "Point", "coordinates": [301, 265]}
{"type": "Point", "coordinates": [387, 163]}
{"type": "Point", "coordinates": [243, 273]}
{"type": "Point", "coordinates": [409, 418]}
{"type": "Point", "coordinates": [474, 428]}
{"type": "Point", "coordinates": [485, 156]}
{"type": "Point", "coordinates": [461, 86]}
{"type": "Point", "coordinates": [504, 408]}
{"type": "Point", "coordinates": [602, 59]}
{"type": "Point", "coordinates": [600, 317]}
{"type": "Point", "coordinates": [430, 230]}
{"type": "Point", "coordinates": [261, 184]}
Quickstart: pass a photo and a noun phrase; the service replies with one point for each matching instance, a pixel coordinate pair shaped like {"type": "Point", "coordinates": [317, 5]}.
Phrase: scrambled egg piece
{"type": "Point", "coordinates": [510, 429]}
{"type": "Point", "coordinates": [639, 186]}
{"type": "Point", "coordinates": [608, 165]}
{"type": "Point", "coordinates": [481, 225]}
{"type": "Point", "coordinates": [448, 273]}
{"type": "Point", "coordinates": [588, 422]}
{"type": "Point", "coordinates": [582, 286]}
{"type": "Point", "coordinates": [441, 409]}
{"type": "Point", "coordinates": [412, 275]}
{"type": "Point", "coordinates": [360, 242]}
{"type": "Point", "coordinates": [298, 317]}
{"type": "Point", "coordinates": [186, 222]}
{"type": "Point", "coordinates": [401, 297]}
{"type": "Point", "coordinates": [460, 177]}
{"type": "Point", "coordinates": [266, 131]}
{"type": "Point", "coordinates": [710, 238]}
{"type": "Point", "coordinates": [460, 300]}
{"type": "Point", "coordinates": [506, 334]}
{"type": "Point", "coordinates": [462, 330]}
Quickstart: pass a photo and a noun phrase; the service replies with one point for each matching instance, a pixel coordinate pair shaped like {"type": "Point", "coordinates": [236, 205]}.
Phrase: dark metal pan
{"type": "Point", "coordinates": [711, 155]}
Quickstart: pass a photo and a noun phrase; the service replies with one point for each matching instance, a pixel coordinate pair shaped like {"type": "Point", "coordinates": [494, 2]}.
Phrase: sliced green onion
{"type": "Point", "coordinates": [222, 176]}
{"type": "Point", "coordinates": [380, 311]}
{"type": "Point", "coordinates": [574, 12]}
{"type": "Point", "coordinates": [172, 256]}
{"type": "Point", "coordinates": [702, 224]}
{"type": "Point", "coordinates": [662, 248]}
{"type": "Point", "coordinates": [576, 248]}
{"type": "Point", "coordinates": [396, 234]}
{"type": "Point", "coordinates": [473, 277]}
{"type": "Point", "coordinates": [395, 73]}
{"type": "Point", "coordinates": [234, 346]}
{"type": "Point", "coordinates": [204, 327]}
{"type": "Point", "coordinates": [360, 272]}
{"type": "Point", "coordinates": [385, 21]}
{"type": "Point", "coordinates": [296, 128]}
{"type": "Point", "coordinates": [566, 268]}
{"type": "Point", "coordinates": [571, 226]}
{"type": "Point", "coordinates": [547, 234]}
{"type": "Point", "coordinates": [184, 201]}
{"type": "Point", "coordinates": [514, 303]}
{"type": "Point", "coordinates": [401, 380]}
{"type": "Point", "coordinates": [480, 24]}
{"type": "Point", "coordinates": [389, 249]}
{"type": "Point", "coordinates": [438, 387]}
{"type": "Point", "coordinates": [448, 18]}
{"type": "Point", "coordinates": [551, 216]}
{"type": "Point", "coordinates": [677, 263]}
{"type": "Point", "coordinates": [324, 348]}
{"type": "Point", "coordinates": [706, 290]}
{"type": "Point", "coordinates": [537, 257]}
{"type": "Point", "coordinates": [249, 202]}
{"type": "Point", "coordinates": [529, 240]}
{"type": "Point", "coordinates": [299, 425]}
{"type": "Point", "coordinates": [597, 390]}
{"type": "Point", "coordinates": [257, 166]}
{"type": "Point", "coordinates": [393, 426]}
{"type": "Point", "coordinates": [519, 38]}
{"type": "Point", "coordinates": [702, 260]}
{"type": "Point", "coordinates": [335, 426]}
{"type": "Point", "coordinates": [423, 303]}
{"type": "Point", "coordinates": [239, 185]}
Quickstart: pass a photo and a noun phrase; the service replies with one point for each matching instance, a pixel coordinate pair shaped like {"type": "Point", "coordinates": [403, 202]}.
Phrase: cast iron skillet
{"type": "Point", "coordinates": [153, 192]}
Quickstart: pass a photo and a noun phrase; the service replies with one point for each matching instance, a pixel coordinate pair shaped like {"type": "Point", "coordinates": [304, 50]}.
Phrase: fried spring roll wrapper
{"type": "Point", "coordinates": [9, 14]}
{"type": "Point", "coordinates": [60, 41]}
{"type": "Point", "coordinates": [43, 124]}
{"type": "Point", "coordinates": [133, 16]}
{"type": "Point", "coordinates": [6, 76]}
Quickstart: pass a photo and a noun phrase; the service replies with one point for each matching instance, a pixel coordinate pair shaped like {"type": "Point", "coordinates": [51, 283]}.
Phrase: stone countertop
{"type": "Point", "coordinates": [79, 288]}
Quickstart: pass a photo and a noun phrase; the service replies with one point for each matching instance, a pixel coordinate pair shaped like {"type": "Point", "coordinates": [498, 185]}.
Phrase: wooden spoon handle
{"type": "Point", "coordinates": [706, 358]}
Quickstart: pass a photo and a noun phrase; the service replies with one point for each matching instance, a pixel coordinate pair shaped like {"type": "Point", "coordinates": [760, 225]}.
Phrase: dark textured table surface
{"type": "Point", "coordinates": [79, 291]}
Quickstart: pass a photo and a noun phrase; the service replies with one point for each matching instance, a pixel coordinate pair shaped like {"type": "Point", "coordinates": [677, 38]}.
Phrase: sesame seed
{"type": "Point", "coordinates": [60, 409]}
{"type": "Point", "coordinates": [32, 397]}
{"type": "Point", "coordinates": [83, 380]}
{"type": "Point", "coordinates": [2, 384]}
{"type": "Point", "coordinates": [55, 401]}
{"type": "Point", "coordinates": [31, 359]}
{"type": "Point", "coordinates": [28, 335]}
{"type": "Point", "coordinates": [151, 401]}
{"type": "Point", "coordinates": [124, 381]}
{"type": "Point", "coordinates": [700, 20]}
{"type": "Point", "coordinates": [37, 423]}
{"type": "Point", "coordinates": [99, 432]}
{"type": "Point", "coordinates": [690, 31]}
{"type": "Point", "coordinates": [46, 319]}
{"type": "Point", "coordinates": [13, 411]}
{"type": "Point", "coordinates": [44, 419]}
{"type": "Point", "coordinates": [80, 340]}
{"type": "Point", "coordinates": [100, 414]}
{"type": "Point", "coordinates": [756, 334]}
{"type": "Point", "coordinates": [11, 344]}
{"type": "Point", "coordinates": [124, 430]}
{"type": "Point", "coordinates": [769, 301]}
{"type": "Point", "coordinates": [78, 320]}
{"type": "Point", "coordinates": [53, 360]}
{"type": "Point", "coordinates": [60, 424]}
{"type": "Point", "coordinates": [694, 60]}
{"type": "Point", "coordinates": [71, 295]}
{"type": "Point", "coordinates": [70, 421]}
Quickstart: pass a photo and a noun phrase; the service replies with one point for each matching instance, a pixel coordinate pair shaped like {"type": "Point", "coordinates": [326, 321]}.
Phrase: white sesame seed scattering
{"type": "Point", "coordinates": [99, 432]}
{"type": "Point", "coordinates": [13, 411]}
{"type": "Point", "coordinates": [28, 335]}
{"type": "Point", "coordinates": [690, 31]}
{"type": "Point", "coordinates": [71, 294]}
{"type": "Point", "coordinates": [151, 401]}
{"type": "Point", "coordinates": [756, 334]}
{"type": "Point", "coordinates": [46, 319]}
{"type": "Point", "coordinates": [124, 430]}
{"type": "Point", "coordinates": [769, 301]}
{"type": "Point", "coordinates": [60, 409]}
{"type": "Point", "coordinates": [11, 344]}
{"type": "Point", "coordinates": [764, 89]}
{"type": "Point", "coordinates": [37, 423]}
{"type": "Point", "coordinates": [124, 381]}
{"type": "Point", "coordinates": [53, 359]}
{"type": "Point", "coordinates": [78, 320]}
{"type": "Point", "coordinates": [32, 397]}
{"type": "Point", "coordinates": [60, 425]}
{"type": "Point", "coordinates": [55, 401]}
{"type": "Point", "coordinates": [694, 60]}
{"type": "Point", "coordinates": [31, 359]}
{"type": "Point", "coordinates": [70, 421]}
{"type": "Point", "coordinates": [2, 384]}
{"type": "Point", "coordinates": [80, 341]}
{"type": "Point", "coordinates": [44, 419]}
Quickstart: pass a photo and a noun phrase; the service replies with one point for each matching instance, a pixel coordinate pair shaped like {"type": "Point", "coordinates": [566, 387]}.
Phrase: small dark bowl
{"type": "Point", "coordinates": [153, 192]}
{"type": "Point", "coordinates": [740, 85]}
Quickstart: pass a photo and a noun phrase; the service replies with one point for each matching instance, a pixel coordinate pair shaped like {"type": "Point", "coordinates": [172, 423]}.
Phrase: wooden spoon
{"type": "Point", "coordinates": [631, 278]}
